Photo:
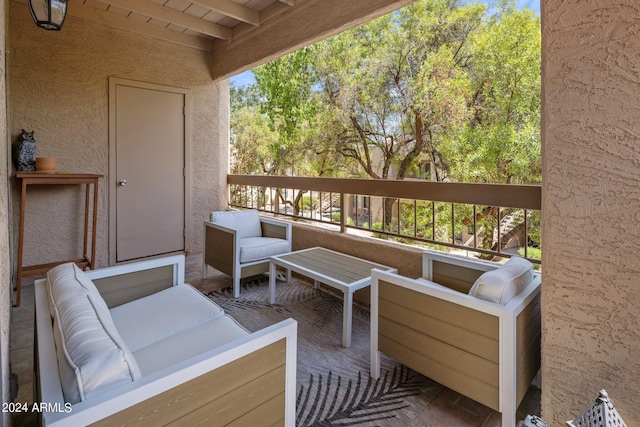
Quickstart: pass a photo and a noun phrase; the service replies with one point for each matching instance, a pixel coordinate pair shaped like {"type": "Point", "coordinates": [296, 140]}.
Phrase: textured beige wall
{"type": "Point", "coordinates": [591, 206]}
{"type": "Point", "coordinates": [5, 274]}
{"type": "Point", "coordinates": [58, 84]}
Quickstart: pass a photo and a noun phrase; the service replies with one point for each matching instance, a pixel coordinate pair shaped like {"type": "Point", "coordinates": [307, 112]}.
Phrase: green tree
{"type": "Point", "coordinates": [501, 141]}
{"type": "Point", "coordinates": [290, 104]}
{"type": "Point", "coordinates": [395, 87]}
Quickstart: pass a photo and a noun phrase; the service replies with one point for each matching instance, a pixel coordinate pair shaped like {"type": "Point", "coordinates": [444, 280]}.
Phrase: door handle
{"type": "Point", "coordinates": [123, 182]}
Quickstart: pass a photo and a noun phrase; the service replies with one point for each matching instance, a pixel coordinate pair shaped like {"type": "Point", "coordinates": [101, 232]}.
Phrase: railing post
{"type": "Point", "coordinates": [343, 216]}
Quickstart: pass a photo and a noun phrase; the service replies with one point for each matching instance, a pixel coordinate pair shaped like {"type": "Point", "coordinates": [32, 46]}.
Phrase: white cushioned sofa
{"type": "Point", "coordinates": [472, 326]}
{"type": "Point", "coordinates": [134, 344]}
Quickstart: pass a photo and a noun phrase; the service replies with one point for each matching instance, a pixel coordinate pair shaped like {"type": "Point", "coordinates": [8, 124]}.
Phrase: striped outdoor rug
{"type": "Point", "coordinates": [334, 386]}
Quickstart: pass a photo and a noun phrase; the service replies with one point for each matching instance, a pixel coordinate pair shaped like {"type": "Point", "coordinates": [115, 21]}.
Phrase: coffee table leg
{"type": "Point", "coordinates": [346, 319]}
{"type": "Point", "coordinates": [272, 283]}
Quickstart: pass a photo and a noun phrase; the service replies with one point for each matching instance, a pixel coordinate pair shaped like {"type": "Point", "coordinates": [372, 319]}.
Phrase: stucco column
{"type": "Point", "coordinates": [591, 206]}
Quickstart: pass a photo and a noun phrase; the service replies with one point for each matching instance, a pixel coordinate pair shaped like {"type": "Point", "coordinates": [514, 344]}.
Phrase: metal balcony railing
{"type": "Point", "coordinates": [490, 219]}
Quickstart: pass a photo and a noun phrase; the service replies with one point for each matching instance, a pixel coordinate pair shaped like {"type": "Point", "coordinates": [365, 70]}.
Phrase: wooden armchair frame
{"type": "Point", "coordinates": [222, 250]}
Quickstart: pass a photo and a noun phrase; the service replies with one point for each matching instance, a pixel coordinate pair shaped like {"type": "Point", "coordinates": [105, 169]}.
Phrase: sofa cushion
{"type": "Point", "coordinates": [92, 356]}
{"type": "Point", "coordinates": [247, 223]}
{"type": "Point", "coordinates": [503, 283]}
{"type": "Point", "coordinates": [188, 343]}
{"type": "Point", "coordinates": [73, 276]}
{"type": "Point", "coordinates": [146, 320]}
{"type": "Point", "coordinates": [256, 248]}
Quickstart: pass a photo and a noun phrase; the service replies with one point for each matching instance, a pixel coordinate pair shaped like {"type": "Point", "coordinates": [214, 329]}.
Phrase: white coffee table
{"type": "Point", "coordinates": [340, 271]}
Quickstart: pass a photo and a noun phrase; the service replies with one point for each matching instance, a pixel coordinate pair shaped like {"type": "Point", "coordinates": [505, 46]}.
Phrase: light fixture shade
{"type": "Point", "coordinates": [48, 14]}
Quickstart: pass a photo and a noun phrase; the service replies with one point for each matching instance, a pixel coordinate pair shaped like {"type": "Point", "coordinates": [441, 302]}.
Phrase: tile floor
{"type": "Point", "coordinates": [445, 409]}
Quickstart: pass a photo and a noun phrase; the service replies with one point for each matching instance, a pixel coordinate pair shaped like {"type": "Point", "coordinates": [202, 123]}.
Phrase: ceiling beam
{"type": "Point", "coordinates": [308, 22]}
{"type": "Point", "coordinates": [232, 9]}
{"type": "Point", "coordinates": [269, 12]}
{"type": "Point", "coordinates": [173, 16]}
{"type": "Point", "coordinates": [120, 22]}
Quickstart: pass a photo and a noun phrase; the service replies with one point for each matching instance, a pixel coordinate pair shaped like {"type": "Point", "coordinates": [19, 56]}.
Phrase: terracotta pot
{"type": "Point", "coordinates": [44, 164]}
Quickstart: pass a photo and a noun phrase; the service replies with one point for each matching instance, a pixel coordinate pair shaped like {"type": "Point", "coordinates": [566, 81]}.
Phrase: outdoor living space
{"type": "Point", "coordinates": [406, 399]}
{"type": "Point", "coordinates": [154, 74]}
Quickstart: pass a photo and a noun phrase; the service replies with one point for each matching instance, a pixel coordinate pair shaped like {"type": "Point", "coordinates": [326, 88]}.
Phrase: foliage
{"type": "Point", "coordinates": [501, 141]}
{"type": "Point", "coordinates": [394, 87]}
{"type": "Point", "coordinates": [442, 85]}
{"type": "Point", "coordinates": [446, 90]}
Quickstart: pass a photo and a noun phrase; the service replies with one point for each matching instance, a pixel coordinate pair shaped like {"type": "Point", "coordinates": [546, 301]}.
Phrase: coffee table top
{"type": "Point", "coordinates": [346, 269]}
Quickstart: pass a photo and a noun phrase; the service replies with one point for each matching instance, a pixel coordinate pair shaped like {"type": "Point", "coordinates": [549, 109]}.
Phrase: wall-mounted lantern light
{"type": "Point", "coordinates": [48, 14]}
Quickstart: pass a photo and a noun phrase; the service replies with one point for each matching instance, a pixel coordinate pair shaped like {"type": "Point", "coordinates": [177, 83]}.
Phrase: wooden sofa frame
{"type": "Point", "coordinates": [483, 350]}
{"type": "Point", "coordinates": [248, 381]}
{"type": "Point", "coordinates": [222, 252]}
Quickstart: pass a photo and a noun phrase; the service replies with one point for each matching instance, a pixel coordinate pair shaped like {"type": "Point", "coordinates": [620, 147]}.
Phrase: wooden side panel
{"type": "Point", "coordinates": [528, 327]}
{"type": "Point", "coordinates": [254, 270]}
{"type": "Point", "coordinates": [453, 345]}
{"type": "Point", "coordinates": [269, 414]}
{"type": "Point", "coordinates": [219, 250]}
{"type": "Point", "coordinates": [272, 230]}
{"type": "Point", "coordinates": [252, 386]}
{"type": "Point", "coordinates": [230, 407]}
{"type": "Point", "coordinates": [454, 277]}
{"type": "Point", "coordinates": [123, 288]}
{"type": "Point", "coordinates": [436, 308]}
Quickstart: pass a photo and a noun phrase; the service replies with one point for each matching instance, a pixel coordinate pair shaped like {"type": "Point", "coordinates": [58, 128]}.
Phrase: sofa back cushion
{"type": "Point", "coordinates": [503, 283]}
{"type": "Point", "coordinates": [247, 223]}
{"type": "Point", "coordinates": [92, 358]}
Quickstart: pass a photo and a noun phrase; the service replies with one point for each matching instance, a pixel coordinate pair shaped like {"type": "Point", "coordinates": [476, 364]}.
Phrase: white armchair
{"type": "Point", "coordinates": [239, 244]}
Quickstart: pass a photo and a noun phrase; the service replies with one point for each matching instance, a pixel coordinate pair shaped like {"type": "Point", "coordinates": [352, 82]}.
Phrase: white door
{"type": "Point", "coordinates": [149, 171]}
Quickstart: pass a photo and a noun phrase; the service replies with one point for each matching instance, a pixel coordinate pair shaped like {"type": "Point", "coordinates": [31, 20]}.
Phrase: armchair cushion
{"type": "Point", "coordinates": [503, 283]}
{"type": "Point", "coordinates": [256, 248]}
{"type": "Point", "coordinates": [247, 223]}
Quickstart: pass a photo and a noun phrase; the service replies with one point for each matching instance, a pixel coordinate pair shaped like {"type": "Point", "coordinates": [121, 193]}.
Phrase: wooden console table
{"type": "Point", "coordinates": [58, 178]}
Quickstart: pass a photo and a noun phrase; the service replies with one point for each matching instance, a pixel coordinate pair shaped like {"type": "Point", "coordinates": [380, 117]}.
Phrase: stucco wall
{"type": "Point", "coordinates": [591, 205]}
{"type": "Point", "coordinates": [58, 85]}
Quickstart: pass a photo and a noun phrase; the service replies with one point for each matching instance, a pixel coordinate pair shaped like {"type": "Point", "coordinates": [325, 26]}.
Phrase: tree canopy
{"type": "Point", "coordinates": [443, 89]}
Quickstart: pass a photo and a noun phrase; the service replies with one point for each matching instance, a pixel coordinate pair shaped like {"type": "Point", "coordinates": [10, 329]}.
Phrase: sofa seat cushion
{"type": "Point", "coordinates": [257, 248]}
{"type": "Point", "coordinates": [92, 357]}
{"type": "Point", "coordinates": [188, 343]}
{"type": "Point", "coordinates": [503, 283]}
{"type": "Point", "coordinates": [147, 320]}
{"type": "Point", "coordinates": [246, 223]}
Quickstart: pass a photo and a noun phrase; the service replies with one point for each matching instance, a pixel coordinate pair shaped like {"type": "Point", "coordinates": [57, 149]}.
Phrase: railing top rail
{"type": "Point", "coordinates": [503, 195]}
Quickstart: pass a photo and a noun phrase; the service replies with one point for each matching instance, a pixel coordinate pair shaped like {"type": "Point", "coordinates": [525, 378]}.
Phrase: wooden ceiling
{"type": "Point", "coordinates": [196, 24]}
{"type": "Point", "coordinates": [239, 34]}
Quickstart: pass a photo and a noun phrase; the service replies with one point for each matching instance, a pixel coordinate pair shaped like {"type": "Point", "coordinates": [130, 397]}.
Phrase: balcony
{"type": "Point", "coordinates": [395, 208]}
